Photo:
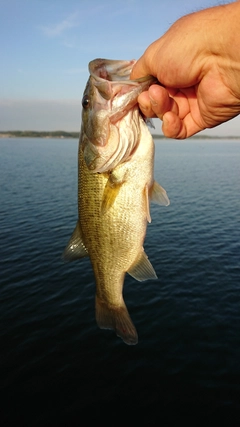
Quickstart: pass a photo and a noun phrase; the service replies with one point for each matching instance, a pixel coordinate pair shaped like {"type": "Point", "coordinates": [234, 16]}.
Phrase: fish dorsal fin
{"type": "Point", "coordinates": [142, 269]}
{"type": "Point", "coordinates": [159, 195]}
{"type": "Point", "coordinates": [75, 248]}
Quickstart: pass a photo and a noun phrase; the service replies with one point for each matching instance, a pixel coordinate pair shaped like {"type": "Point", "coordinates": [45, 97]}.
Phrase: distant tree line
{"type": "Point", "coordinates": [40, 134]}
{"type": "Point", "coordinates": [63, 134]}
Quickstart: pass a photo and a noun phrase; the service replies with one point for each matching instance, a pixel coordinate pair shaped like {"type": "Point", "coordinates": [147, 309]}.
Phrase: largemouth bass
{"type": "Point", "coordinates": [116, 184]}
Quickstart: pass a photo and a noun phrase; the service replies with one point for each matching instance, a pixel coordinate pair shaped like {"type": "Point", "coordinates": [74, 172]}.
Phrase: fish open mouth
{"type": "Point", "coordinates": [112, 80]}
{"type": "Point", "coordinates": [112, 134]}
{"type": "Point", "coordinates": [111, 70]}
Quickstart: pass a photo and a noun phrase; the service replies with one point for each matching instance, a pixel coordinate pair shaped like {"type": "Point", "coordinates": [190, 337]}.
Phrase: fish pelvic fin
{"type": "Point", "coordinates": [75, 248]}
{"type": "Point", "coordinates": [118, 319]}
{"type": "Point", "coordinates": [142, 269]}
{"type": "Point", "coordinates": [159, 195]}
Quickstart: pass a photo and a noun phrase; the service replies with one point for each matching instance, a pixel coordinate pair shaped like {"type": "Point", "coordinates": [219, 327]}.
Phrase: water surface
{"type": "Point", "coordinates": [57, 367]}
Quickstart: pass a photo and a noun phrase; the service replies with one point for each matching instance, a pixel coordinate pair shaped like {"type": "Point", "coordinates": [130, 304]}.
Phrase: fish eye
{"type": "Point", "coordinates": [86, 101]}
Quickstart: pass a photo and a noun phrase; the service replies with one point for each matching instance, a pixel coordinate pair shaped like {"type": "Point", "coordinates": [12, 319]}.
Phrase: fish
{"type": "Point", "coordinates": [115, 187]}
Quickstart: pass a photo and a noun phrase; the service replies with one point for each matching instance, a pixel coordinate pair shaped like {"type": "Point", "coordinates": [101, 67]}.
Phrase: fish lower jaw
{"type": "Point", "coordinates": [116, 318]}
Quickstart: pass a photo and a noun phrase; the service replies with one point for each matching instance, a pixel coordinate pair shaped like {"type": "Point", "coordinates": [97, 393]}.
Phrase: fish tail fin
{"type": "Point", "coordinates": [118, 319]}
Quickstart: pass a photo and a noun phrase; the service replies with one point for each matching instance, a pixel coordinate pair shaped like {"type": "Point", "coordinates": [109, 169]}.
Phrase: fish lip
{"type": "Point", "coordinates": [104, 71]}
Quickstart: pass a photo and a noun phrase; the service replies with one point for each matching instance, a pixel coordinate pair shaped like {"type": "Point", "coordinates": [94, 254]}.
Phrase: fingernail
{"type": "Point", "coordinates": [143, 107]}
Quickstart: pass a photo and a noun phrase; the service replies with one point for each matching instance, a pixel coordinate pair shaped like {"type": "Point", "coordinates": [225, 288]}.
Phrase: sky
{"type": "Point", "coordinates": [46, 46]}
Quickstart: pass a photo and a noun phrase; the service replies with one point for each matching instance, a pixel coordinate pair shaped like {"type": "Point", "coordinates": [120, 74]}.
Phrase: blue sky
{"type": "Point", "coordinates": [46, 46]}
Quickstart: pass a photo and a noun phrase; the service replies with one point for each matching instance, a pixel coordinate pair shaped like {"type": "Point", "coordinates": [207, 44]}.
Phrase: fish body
{"type": "Point", "coordinates": [115, 187]}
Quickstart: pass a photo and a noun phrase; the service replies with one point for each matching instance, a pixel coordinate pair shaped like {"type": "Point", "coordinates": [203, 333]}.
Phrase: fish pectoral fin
{"type": "Point", "coordinates": [110, 193]}
{"type": "Point", "coordinates": [146, 193]}
{"type": "Point", "coordinates": [118, 319]}
{"type": "Point", "coordinates": [75, 248]}
{"type": "Point", "coordinates": [159, 195]}
{"type": "Point", "coordinates": [142, 269]}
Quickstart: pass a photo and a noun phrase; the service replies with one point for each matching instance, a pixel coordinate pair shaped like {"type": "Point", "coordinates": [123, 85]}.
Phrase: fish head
{"type": "Point", "coordinates": [110, 113]}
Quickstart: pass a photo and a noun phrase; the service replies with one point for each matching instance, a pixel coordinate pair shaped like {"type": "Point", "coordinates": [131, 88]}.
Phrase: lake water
{"type": "Point", "coordinates": [57, 366]}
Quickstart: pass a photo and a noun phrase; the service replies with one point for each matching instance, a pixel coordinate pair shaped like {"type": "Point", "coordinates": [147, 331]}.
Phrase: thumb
{"type": "Point", "coordinates": [140, 69]}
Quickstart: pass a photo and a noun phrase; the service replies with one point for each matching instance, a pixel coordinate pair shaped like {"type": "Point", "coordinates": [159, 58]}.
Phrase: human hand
{"type": "Point", "coordinates": [197, 63]}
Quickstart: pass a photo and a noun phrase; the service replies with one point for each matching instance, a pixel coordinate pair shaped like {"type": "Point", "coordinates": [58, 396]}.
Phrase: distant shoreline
{"type": "Point", "coordinates": [63, 134]}
{"type": "Point", "coordinates": [38, 134]}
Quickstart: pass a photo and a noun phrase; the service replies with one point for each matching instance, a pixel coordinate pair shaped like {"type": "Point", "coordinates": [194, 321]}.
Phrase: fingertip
{"type": "Point", "coordinates": [145, 104]}
{"type": "Point", "coordinates": [165, 124]}
{"type": "Point", "coordinates": [161, 101]}
{"type": "Point", "coordinates": [173, 127]}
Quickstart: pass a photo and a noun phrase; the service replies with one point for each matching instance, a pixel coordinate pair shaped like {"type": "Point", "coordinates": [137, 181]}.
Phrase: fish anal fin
{"type": "Point", "coordinates": [159, 195]}
{"type": "Point", "coordinates": [118, 319]}
{"type": "Point", "coordinates": [75, 248]}
{"type": "Point", "coordinates": [142, 269]}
